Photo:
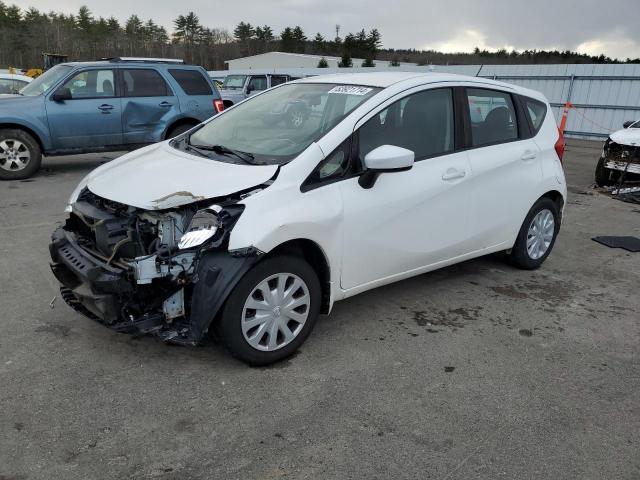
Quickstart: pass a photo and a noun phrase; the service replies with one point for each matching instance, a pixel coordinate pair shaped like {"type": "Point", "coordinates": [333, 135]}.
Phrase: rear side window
{"type": "Point", "coordinates": [536, 111]}
{"type": "Point", "coordinates": [144, 83]}
{"type": "Point", "coordinates": [493, 117]}
{"type": "Point", "coordinates": [258, 83]}
{"type": "Point", "coordinates": [191, 81]}
{"type": "Point", "coordinates": [278, 80]}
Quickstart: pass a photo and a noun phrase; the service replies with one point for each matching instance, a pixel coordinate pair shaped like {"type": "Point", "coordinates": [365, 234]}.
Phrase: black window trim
{"type": "Point", "coordinates": [121, 82]}
{"type": "Point", "coordinates": [310, 184]}
{"type": "Point", "coordinates": [116, 89]}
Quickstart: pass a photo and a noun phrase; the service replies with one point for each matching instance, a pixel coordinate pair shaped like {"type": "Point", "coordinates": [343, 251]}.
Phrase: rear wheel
{"type": "Point", "coordinates": [20, 154]}
{"type": "Point", "coordinates": [537, 235]}
{"type": "Point", "coordinates": [271, 311]}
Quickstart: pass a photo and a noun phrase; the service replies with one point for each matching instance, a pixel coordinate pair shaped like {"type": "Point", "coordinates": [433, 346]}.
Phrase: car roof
{"type": "Point", "coordinates": [15, 76]}
{"type": "Point", "coordinates": [386, 79]}
{"type": "Point", "coordinates": [146, 63]}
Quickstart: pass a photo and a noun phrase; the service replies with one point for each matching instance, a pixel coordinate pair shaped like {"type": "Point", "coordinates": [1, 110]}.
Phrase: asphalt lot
{"type": "Point", "coordinates": [475, 371]}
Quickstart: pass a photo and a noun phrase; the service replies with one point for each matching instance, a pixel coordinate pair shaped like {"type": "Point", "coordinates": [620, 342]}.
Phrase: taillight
{"type": "Point", "coordinates": [559, 146]}
{"type": "Point", "coordinates": [218, 105]}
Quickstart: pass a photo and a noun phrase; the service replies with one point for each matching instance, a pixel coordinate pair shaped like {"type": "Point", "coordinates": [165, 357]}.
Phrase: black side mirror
{"type": "Point", "coordinates": [249, 89]}
{"type": "Point", "coordinates": [61, 95]}
{"type": "Point", "coordinates": [628, 123]}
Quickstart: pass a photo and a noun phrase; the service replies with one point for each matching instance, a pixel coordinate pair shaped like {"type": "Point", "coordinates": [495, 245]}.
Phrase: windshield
{"type": "Point", "coordinates": [45, 81]}
{"type": "Point", "coordinates": [234, 81]}
{"type": "Point", "coordinates": [276, 126]}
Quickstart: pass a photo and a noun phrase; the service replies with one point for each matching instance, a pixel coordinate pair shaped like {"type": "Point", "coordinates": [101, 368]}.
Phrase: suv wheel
{"type": "Point", "coordinates": [20, 155]}
{"type": "Point", "coordinates": [537, 235]}
{"type": "Point", "coordinates": [180, 129]}
{"type": "Point", "coordinates": [271, 311]}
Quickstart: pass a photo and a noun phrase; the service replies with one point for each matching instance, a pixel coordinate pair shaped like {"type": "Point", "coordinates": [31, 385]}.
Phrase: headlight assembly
{"type": "Point", "coordinates": [202, 227]}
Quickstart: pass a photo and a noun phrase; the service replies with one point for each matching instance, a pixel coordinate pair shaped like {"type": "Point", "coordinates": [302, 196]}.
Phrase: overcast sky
{"type": "Point", "coordinates": [611, 27]}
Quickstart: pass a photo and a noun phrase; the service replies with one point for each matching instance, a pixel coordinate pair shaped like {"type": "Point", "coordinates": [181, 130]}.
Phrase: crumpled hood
{"type": "Point", "coordinates": [159, 176]}
{"type": "Point", "coordinates": [628, 136]}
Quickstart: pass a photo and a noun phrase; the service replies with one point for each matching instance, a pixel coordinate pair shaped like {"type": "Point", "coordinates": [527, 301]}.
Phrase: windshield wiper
{"type": "Point", "coordinates": [244, 156]}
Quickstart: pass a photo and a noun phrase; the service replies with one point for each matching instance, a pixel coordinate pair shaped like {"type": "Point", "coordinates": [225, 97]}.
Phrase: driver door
{"type": "Point", "coordinates": [92, 117]}
{"type": "Point", "coordinates": [413, 219]}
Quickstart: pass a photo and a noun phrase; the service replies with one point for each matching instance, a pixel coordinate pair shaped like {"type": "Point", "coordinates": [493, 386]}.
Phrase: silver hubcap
{"type": "Point", "coordinates": [540, 234]}
{"type": "Point", "coordinates": [14, 155]}
{"type": "Point", "coordinates": [275, 312]}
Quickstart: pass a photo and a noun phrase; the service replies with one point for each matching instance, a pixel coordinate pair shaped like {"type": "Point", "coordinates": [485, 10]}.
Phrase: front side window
{"type": "Point", "coordinates": [422, 122]}
{"type": "Point", "coordinates": [493, 117]}
{"type": "Point", "coordinates": [91, 84]}
{"type": "Point", "coordinates": [279, 124]}
{"type": "Point", "coordinates": [144, 83]}
{"type": "Point", "coordinates": [337, 165]}
{"type": "Point", "coordinates": [257, 84]}
{"type": "Point", "coordinates": [191, 81]}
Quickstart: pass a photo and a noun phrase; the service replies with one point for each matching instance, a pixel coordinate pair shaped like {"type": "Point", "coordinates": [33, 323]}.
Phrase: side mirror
{"type": "Point", "coordinates": [61, 95]}
{"type": "Point", "coordinates": [249, 89]}
{"type": "Point", "coordinates": [628, 123]}
{"type": "Point", "coordinates": [385, 159]}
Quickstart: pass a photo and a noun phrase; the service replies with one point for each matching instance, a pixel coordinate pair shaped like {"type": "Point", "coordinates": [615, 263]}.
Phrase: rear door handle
{"type": "Point", "coordinates": [165, 104]}
{"type": "Point", "coordinates": [528, 155]}
{"type": "Point", "coordinates": [105, 107]}
{"type": "Point", "coordinates": [453, 174]}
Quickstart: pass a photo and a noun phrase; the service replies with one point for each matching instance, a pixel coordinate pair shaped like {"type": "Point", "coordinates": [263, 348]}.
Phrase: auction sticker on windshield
{"type": "Point", "coordinates": [350, 90]}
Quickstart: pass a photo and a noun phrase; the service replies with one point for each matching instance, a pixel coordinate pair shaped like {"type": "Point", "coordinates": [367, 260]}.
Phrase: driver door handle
{"type": "Point", "coordinates": [105, 107]}
{"type": "Point", "coordinates": [528, 155]}
{"type": "Point", "coordinates": [453, 174]}
{"type": "Point", "coordinates": [165, 104]}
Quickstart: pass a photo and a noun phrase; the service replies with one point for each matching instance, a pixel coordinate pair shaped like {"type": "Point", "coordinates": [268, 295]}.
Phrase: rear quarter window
{"type": "Point", "coordinates": [191, 81]}
{"type": "Point", "coordinates": [536, 112]}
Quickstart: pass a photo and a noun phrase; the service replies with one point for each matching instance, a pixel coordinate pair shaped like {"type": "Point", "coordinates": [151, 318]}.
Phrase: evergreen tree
{"type": "Point", "coordinates": [323, 63]}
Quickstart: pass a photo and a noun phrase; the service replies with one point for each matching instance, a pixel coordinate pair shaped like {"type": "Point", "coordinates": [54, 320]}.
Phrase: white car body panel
{"type": "Point", "coordinates": [627, 136]}
{"type": "Point", "coordinates": [409, 223]}
{"type": "Point", "coordinates": [159, 177]}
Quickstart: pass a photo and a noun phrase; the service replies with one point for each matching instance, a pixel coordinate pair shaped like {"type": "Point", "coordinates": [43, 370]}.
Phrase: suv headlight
{"type": "Point", "coordinates": [202, 227]}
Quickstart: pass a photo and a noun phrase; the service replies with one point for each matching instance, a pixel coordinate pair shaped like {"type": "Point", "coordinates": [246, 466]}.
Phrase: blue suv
{"type": "Point", "coordinates": [109, 105]}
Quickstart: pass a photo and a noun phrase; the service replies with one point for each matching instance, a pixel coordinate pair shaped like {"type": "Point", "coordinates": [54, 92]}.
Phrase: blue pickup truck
{"type": "Point", "coordinates": [108, 105]}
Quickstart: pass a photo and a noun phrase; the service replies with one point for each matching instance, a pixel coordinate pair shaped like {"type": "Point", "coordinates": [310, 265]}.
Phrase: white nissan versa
{"type": "Point", "coordinates": [251, 225]}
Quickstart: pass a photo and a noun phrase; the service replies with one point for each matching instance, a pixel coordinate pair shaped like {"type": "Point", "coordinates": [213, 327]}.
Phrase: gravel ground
{"type": "Point", "coordinates": [475, 371]}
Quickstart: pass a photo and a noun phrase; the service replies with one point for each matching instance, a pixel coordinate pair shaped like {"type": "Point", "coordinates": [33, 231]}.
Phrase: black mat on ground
{"type": "Point", "coordinates": [631, 244]}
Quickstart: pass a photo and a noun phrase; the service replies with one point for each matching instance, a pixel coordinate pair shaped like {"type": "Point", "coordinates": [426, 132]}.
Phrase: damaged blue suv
{"type": "Point", "coordinates": [108, 105]}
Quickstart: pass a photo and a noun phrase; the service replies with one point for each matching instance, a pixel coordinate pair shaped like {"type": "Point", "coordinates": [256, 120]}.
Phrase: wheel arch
{"type": "Point", "coordinates": [313, 254]}
{"type": "Point", "coordinates": [179, 122]}
{"type": "Point", "coordinates": [557, 198]}
{"type": "Point", "coordinates": [24, 128]}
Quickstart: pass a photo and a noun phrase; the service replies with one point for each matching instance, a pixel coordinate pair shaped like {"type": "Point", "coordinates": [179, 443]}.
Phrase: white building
{"type": "Point", "coordinates": [279, 60]}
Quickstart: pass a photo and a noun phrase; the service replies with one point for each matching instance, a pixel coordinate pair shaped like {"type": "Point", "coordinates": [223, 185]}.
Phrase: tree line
{"type": "Point", "coordinates": [26, 34]}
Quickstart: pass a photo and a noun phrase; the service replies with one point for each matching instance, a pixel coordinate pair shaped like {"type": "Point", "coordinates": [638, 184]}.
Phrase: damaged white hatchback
{"type": "Point", "coordinates": [251, 225]}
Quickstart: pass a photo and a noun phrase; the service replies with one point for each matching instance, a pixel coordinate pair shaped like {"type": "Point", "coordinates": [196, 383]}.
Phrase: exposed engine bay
{"type": "Point", "coordinates": [618, 164]}
{"type": "Point", "coordinates": [163, 272]}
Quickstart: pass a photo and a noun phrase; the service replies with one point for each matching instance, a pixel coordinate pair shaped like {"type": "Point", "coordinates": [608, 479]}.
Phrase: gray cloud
{"type": "Point", "coordinates": [611, 26]}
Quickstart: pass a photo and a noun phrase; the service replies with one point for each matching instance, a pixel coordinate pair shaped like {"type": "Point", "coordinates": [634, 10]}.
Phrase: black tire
{"type": "Point", "coordinates": [603, 175]}
{"type": "Point", "coordinates": [10, 168]}
{"type": "Point", "coordinates": [180, 129]}
{"type": "Point", "coordinates": [519, 255]}
{"type": "Point", "coordinates": [229, 327]}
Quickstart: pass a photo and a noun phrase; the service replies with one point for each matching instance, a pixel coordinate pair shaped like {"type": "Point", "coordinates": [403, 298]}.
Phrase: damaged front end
{"type": "Point", "coordinates": [619, 163]}
{"type": "Point", "coordinates": [139, 271]}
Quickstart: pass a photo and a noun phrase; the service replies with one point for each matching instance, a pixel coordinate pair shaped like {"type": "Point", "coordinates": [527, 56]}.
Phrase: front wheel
{"type": "Point", "coordinates": [271, 311]}
{"type": "Point", "coordinates": [537, 235]}
{"type": "Point", "coordinates": [20, 154]}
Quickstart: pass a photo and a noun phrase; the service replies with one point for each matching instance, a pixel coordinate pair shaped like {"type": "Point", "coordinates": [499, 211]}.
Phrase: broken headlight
{"type": "Point", "coordinates": [203, 226]}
